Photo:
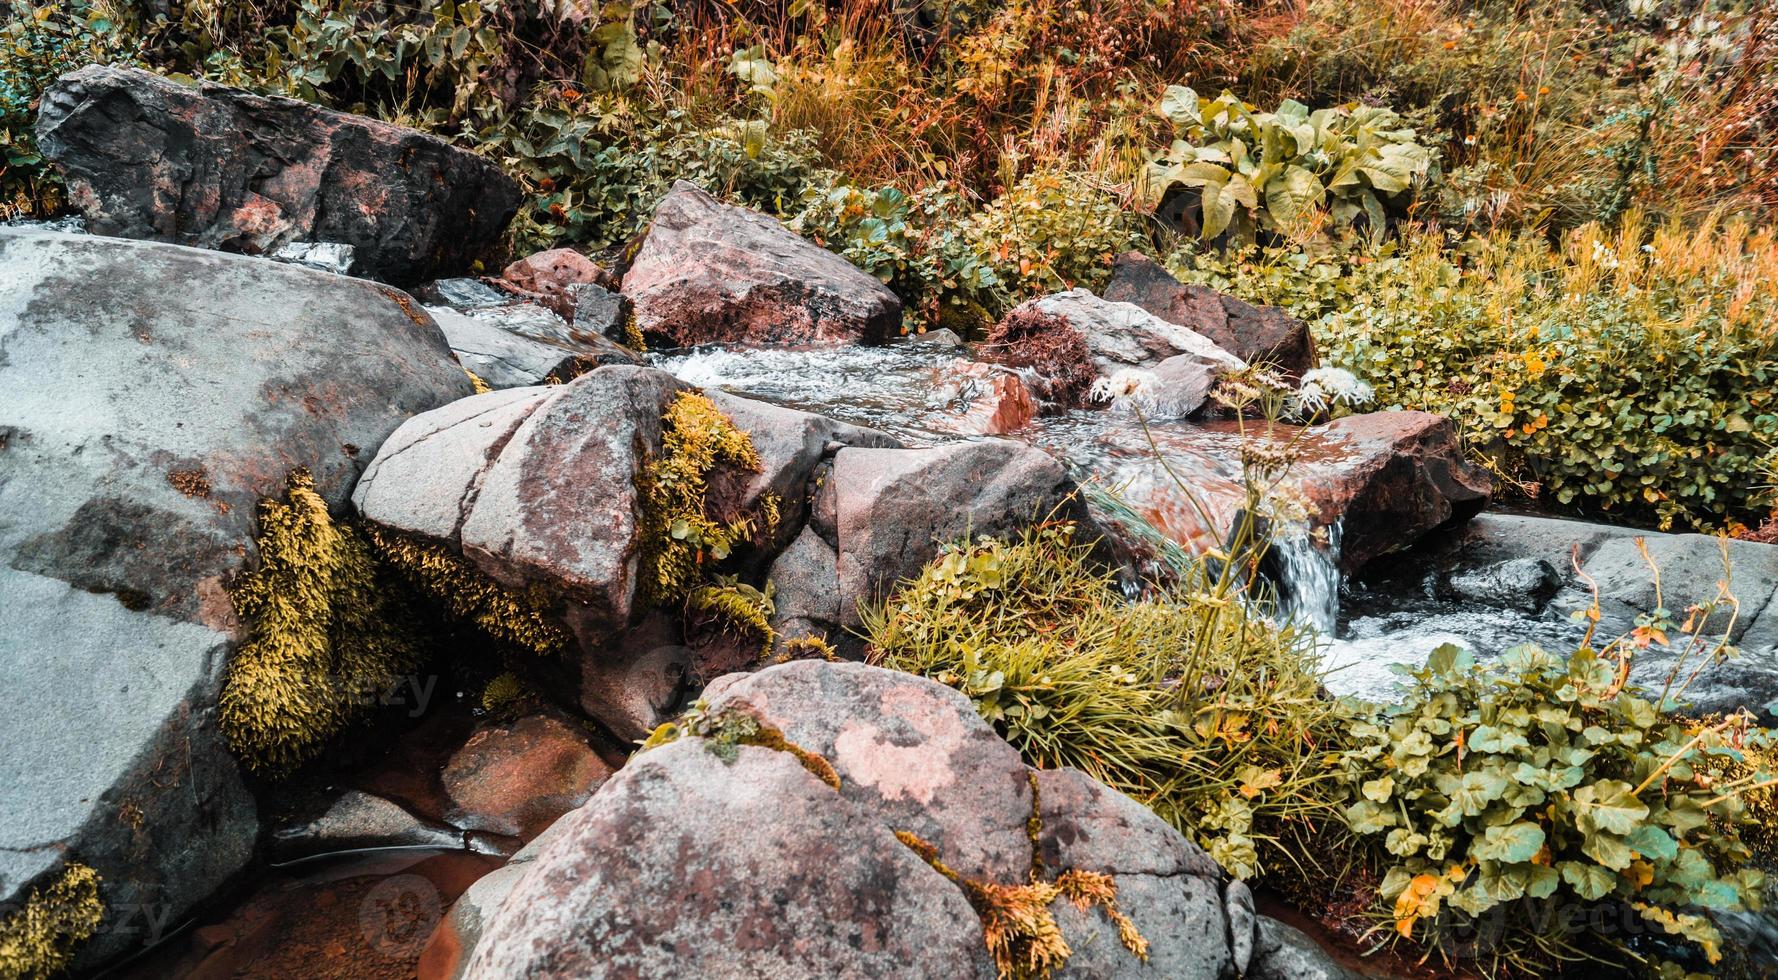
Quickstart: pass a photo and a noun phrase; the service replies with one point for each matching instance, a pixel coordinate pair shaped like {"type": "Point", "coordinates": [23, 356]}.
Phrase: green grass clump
{"type": "Point", "coordinates": [1185, 701]}
{"type": "Point", "coordinates": [324, 634]}
{"type": "Point", "coordinates": [39, 939]}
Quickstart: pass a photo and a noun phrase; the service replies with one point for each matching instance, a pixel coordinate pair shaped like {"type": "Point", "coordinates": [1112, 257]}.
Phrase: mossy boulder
{"type": "Point", "coordinates": [156, 396]}
{"type": "Point", "coordinates": [818, 819]}
{"type": "Point", "coordinates": [585, 518]}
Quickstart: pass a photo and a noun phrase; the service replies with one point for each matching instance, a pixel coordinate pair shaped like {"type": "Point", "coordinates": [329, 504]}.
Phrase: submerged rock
{"type": "Point", "coordinates": [358, 820]}
{"type": "Point", "coordinates": [710, 273]}
{"type": "Point", "coordinates": [705, 857]}
{"type": "Point", "coordinates": [1253, 333]}
{"type": "Point", "coordinates": [217, 167]}
{"type": "Point", "coordinates": [145, 421]}
{"type": "Point", "coordinates": [515, 778]}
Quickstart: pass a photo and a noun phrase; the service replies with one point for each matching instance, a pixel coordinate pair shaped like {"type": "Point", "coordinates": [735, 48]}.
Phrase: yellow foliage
{"type": "Point", "coordinates": [1018, 927]}
{"type": "Point", "coordinates": [39, 940]}
{"type": "Point", "coordinates": [322, 636]}
{"type": "Point", "coordinates": [517, 617]}
{"type": "Point", "coordinates": [679, 535]}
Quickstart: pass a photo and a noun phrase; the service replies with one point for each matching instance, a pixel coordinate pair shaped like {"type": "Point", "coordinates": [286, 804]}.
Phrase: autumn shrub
{"type": "Point", "coordinates": [912, 243]}
{"type": "Point", "coordinates": [1627, 372]}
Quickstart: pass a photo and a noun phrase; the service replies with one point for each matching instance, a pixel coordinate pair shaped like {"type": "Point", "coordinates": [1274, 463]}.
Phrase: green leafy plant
{"type": "Point", "coordinates": [1273, 171]}
{"type": "Point", "coordinates": [39, 42]}
{"type": "Point", "coordinates": [912, 244]}
{"type": "Point", "coordinates": [1535, 782]}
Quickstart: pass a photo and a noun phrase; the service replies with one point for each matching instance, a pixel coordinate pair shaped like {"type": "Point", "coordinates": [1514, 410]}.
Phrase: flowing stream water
{"type": "Point", "coordinates": [913, 391]}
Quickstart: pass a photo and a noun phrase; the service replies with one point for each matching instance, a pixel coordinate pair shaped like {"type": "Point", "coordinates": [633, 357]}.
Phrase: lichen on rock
{"type": "Point", "coordinates": [39, 939]}
{"type": "Point", "coordinates": [324, 633]}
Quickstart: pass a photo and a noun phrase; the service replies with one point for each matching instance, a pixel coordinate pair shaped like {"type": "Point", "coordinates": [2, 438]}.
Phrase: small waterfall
{"type": "Point", "coordinates": [1308, 577]}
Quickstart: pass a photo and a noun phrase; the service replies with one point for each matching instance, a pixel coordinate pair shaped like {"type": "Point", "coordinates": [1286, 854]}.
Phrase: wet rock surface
{"type": "Point", "coordinates": [137, 439]}
{"type": "Point", "coordinates": [215, 167]}
{"type": "Point", "coordinates": [709, 272]}
{"type": "Point", "coordinates": [1540, 567]}
{"type": "Point", "coordinates": [504, 358]}
{"type": "Point", "coordinates": [1388, 478]}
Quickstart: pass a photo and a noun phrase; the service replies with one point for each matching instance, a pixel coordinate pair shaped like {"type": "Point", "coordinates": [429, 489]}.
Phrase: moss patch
{"type": "Point", "coordinates": [737, 607]}
{"type": "Point", "coordinates": [39, 940]}
{"type": "Point", "coordinates": [517, 617]}
{"type": "Point", "coordinates": [725, 731]}
{"type": "Point", "coordinates": [683, 529]}
{"type": "Point", "coordinates": [323, 634]}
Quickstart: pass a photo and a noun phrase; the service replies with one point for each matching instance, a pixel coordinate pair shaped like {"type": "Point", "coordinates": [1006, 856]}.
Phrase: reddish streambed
{"type": "Point", "coordinates": [363, 916]}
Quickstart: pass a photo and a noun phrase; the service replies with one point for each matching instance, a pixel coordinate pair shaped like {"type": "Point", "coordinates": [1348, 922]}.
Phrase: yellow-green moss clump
{"type": "Point", "coordinates": [323, 637]}
{"type": "Point", "coordinates": [726, 730]}
{"type": "Point", "coordinates": [739, 607]}
{"type": "Point", "coordinates": [520, 618]}
{"type": "Point", "coordinates": [680, 532]}
{"type": "Point", "coordinates": [39, 940]}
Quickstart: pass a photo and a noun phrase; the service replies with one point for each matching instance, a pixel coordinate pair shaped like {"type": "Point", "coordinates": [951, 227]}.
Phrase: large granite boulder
{"type": "Point", "coordinates": [533, 486]}
{"type": "Point", "coordinates": [710, 273]}
{"type": "Point", "coordinates": [155, 395]}
{"type": "Point", "coordinates": [893, 509]}
{"type": "Point", "coordinates": [216, 167]}
{"type": "Point", "coordinates": [537, 487]}
{"type": "Point", "coordinates": [1252, 333]}
{"type": "Point", "coordinates": [777, 854]}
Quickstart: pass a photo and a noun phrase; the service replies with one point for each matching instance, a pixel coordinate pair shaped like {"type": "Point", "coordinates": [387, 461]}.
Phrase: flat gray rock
{"type": "Point", "coordinates": [505, 359]}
